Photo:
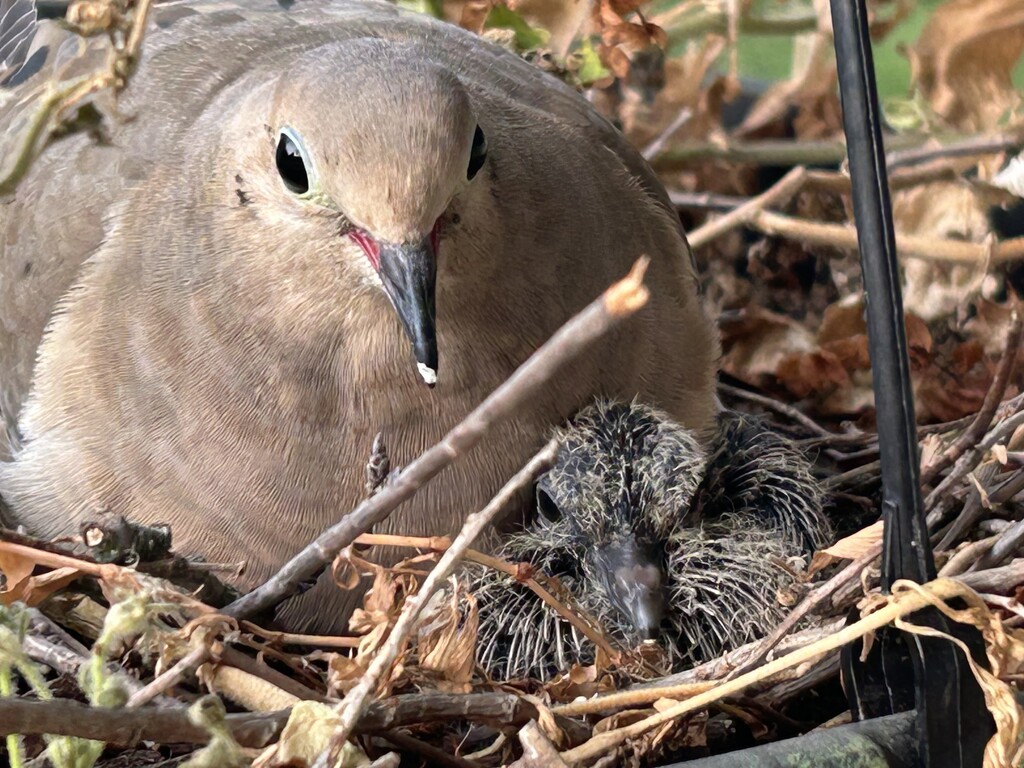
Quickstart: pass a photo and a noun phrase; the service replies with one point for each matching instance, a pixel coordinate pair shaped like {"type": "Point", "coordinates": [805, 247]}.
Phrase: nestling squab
{"type": "Point", "coordinates": [309, 226]}
{"type": "Point", "coordinates": [657, 537]}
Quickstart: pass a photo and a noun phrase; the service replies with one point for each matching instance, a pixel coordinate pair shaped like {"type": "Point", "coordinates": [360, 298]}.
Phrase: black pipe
{"type": "Point", "coordinates": [884, 742]}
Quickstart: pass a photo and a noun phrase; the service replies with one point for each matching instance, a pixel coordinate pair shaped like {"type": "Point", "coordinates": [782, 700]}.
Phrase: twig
{"type": "Point", "coordinates": [431, 754]}
{"type": "Point", "coordinates": [538, 751]}
{"type": "Point", "coordinates": [290, 638]}
{"type": "Point", "coordinates": [692, 681]}
{"type": "Point", "coordinates": [654, 149]}
{"type": "Point", "coordinates": [780, 193]}
{"type": "Point", "coordinates": [785, 152]}
{"type": "Point", "coordinates": [829, 181]}
{"type": "Point", "coordinates": [127, 727]}
{"type": "Point", "coordinates": [968, 462]}
{"type": "Point", "coordinates": [973, 508]}
{"type": "Point", "coordinates": [41, 624]}
{"type": "Point", "coordinates": [993, 397]}
{"type": "Point", "coordinates": [618, 302]}
{"type": "Point", "coordinates": [68, 662]}
{"type": "Point", "coordinates": [352, 707]}
{"type": "Point", "coordinates": [170, 677]}
{"type": "Point", "coordinates": [777, 406]}
{"type": "Point", "coordinates": [844, 237]}
{"type": "Point", "coordinates": [1006, 545]}
{"type": "Point", "coordinates": [1003, 579]}
{"type": "Point", "coordinates": [843, 478]}
{"type": "Point", "coordinates": [901, 604]}
{"type": "Point", "coordinates": [962, 560]}
{"type": "Point", "coordinates": [811, 600]}
{"type": "Point", "coordinates": [972, 146]}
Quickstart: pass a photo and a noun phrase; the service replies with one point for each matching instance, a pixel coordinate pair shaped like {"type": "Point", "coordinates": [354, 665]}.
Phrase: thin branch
{"type": "Point", "coordinates": [291, 638]}
{"type": "Point", "coordinates": [656, 146]}
{"type": "Point", "coordinates": [779, 407]}
{"type": "Point", "coordinates": [620, 301]}
{"type": "Point", "coordinates": [968, 462]}
{"type": "Point", "coordinates": [901, 604]}
{"type": "Point", "coordinates": [355, 701]}
{"type": "Point", "coordinates": [844, 237]}
{"type": "Point", "coordinates": [972, 146]}
{"type": "Point", "coordinates": [1007, 544]}
{"type": "Point", "coordinates": [430, 754]}
{"type": "Point", "coordinates": [778, 194]}
{"type": "Point", "coordinates": [788, 152]}
{"type": "Point", "coordinates": [128, 727]}
{"type": "Point", "coordinates": [811, 601]}
{"type": "Point", "coordinates": [693, 680]}
{"type": "Point", "coordinates": [993, 397]}
{"type": "Point", "coordinates": [170, 677]}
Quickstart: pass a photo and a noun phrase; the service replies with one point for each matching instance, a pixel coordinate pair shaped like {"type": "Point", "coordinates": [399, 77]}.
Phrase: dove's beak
{"type": "Point", "coordinates": [409, 273]}
{"type": "Point", "coordinates": [635, 585]}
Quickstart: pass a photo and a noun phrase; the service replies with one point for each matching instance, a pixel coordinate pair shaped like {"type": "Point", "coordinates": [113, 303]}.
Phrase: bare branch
{"type": "Point", "coordinates": [618, 302]}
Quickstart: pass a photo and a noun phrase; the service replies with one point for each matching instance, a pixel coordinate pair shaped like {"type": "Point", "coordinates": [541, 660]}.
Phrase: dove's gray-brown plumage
{"type": "Point", "coordinates": [186, 338]}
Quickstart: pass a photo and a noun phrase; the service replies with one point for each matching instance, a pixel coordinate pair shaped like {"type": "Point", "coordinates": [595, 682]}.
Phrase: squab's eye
{"type": "Point", "coordinates": [477, 154]}
{"type": "Point", "coordinates": [291, 162]}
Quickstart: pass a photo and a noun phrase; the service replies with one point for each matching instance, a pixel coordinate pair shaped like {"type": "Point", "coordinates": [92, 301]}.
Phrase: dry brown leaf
{"type": "Point", "coordinates": [17, 570]}
{"type": "Point", "coordinates": [585, 681]}
{"type": "Point", "coordinates": [446, 640]}
{"type": "Point", "coordinates": [945, 211]}
{"type": "Point", "coordinates": [1005, 651]}
{"type": "Point", "coordinates": [963, 61]}
{"type": "Point", "coordinates": [38, 588]}
{"type": "Point", "coordinates": [760, 341]}
{"type": "Point", "coordinates": [307, 734]}
{"type": "Point", "coordinates": [854, 546]}
{"type": "Point", "coordinates": [812, 373]}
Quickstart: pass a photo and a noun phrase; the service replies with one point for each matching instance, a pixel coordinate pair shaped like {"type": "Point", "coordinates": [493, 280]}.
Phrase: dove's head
{"type": "Point", "coordinates": [624, 478]}
{"type": "Point", "coordinates": [374, 141]}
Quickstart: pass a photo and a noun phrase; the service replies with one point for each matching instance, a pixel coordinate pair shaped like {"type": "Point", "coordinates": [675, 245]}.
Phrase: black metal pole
{"type": "Point", "coordinates": [902, 670]}
{"type": "Point", "coordinates": [908, 553]}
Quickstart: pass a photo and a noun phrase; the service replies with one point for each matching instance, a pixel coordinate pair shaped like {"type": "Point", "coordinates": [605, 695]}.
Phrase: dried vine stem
{"type": "Point", "coordinates": [903, 602]}
{"type": "Point", "coordinates": [538, 583]}
{"type": "Point", "coordinates": [620, 301]}
{"type": "Point", "coordinates": [351, 708]}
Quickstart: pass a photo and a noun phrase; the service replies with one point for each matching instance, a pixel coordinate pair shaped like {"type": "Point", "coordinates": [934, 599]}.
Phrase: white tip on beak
{"type": "Point", "coordinates": [429, 374]}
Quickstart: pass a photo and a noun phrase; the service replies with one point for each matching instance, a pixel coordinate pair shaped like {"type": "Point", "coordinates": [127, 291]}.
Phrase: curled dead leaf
{"type": "Point", "coordinates": [852, 547]}
{"type": "Point", "coordinates": [305, 736]}
{"type": "Point", "coordinates": [964, 59]}
{"type": "Point", "coordinates": [446, 639]}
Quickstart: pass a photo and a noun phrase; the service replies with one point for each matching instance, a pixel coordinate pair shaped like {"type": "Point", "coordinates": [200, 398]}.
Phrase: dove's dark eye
{"type": "Point", "coordinates": [477, 154]}
{"type": "Point", "coordinates": [291, 162]}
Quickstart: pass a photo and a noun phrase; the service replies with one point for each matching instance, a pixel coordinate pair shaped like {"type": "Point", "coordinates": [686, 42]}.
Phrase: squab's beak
{"type": "Point", "coordinates": [635, 584]}
{"type": "Point", "coordinates": [409, 273]}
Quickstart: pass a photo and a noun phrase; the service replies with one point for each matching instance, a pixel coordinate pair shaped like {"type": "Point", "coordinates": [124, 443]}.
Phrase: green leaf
{"type": "Point", "coordinates": [590, 69]}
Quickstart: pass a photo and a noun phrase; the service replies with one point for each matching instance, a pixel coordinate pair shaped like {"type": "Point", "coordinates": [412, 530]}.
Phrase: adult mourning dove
{"type": "Point", "coordinates": [300, 217]}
